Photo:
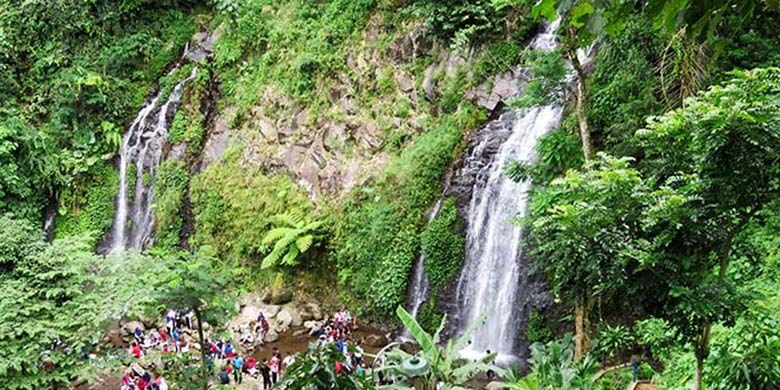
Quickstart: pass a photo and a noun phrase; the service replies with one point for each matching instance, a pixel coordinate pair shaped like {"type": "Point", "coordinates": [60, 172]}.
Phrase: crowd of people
{"type": "Point", "coordinates": [231, 364]}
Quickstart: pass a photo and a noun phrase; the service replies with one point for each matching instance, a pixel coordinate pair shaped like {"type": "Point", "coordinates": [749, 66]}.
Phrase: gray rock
{"type": "Point", "coordinates": [310, 311]}
{"type": "Point", "coordinates": [300, 333]}
{"type": "Point", "coordinates": [271, 336]}
{"type": "Point", "coordinates": [129, 327]}
{"type": "Point", "coordinates": [283, 320]}
{"type": "Point", "coordinates": [376, 340]}
{"type": "Point", "coordinates": [216, 142]}
{"type": "Point", "coordinates": [268, 129]}
{"type": "Point", "coordinates": [405, 83]}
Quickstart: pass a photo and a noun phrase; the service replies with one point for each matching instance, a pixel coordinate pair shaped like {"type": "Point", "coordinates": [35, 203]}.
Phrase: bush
{"type": "Point", "coordinates": [172, 181]}
{"type": "Point", "coordinates": [443, 246]}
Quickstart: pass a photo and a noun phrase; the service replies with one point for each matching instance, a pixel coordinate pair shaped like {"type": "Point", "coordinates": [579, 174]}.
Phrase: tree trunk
{"type": "Point", "coordinates": [204, 370]}
{"type": "Point", "coordinates": [581, 328]}
{"type": "Point", "coordinates": [697, 381]}
{"type": "Point", "coordinates": [582, 97]}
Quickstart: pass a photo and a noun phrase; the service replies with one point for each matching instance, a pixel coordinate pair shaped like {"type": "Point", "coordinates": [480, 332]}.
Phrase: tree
{"type": "Point", "coordinates": [196, 283]}
{"type": "Point", "coordinates": [585, 229]}
{"type": "Point", "coordinates": [292, 237]}
{"type": "Point", "coordinates": [716, 164]}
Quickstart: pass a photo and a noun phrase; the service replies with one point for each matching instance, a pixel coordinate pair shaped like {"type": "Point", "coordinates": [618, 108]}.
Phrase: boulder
{"type": "Point", "coordinates": [283, 320]}
{"type": "Point", "coordinates": [296, 318]}
{"type": "Point", "coordinates": [271, 336]}
{"type": "Point", "coordinates": [300, 333]}
{"type": "Point", "coordinates": [312, 324]}
{"type": "Point", "coordinates": [267, 295]}
{"type": "Point", "coordinates": [270, 311]}
{"type": "Point", "coordinates": [129, 327]}
{"type": "Point", "coordinates": [282, 296]}
{"type": "Point", "coordinates": [310, 311]}
{"type": "Point", "coordinates": [405, 83]}
{"type": "Point", "coordinates": [376, 340]}
{"type": "Point", "coordinates": [114, 338]}
{"type": "Point", "coordinates": [495, 385]}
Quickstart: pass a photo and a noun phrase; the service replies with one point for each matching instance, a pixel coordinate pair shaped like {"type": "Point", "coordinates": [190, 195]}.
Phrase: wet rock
{"type": "Point", "coordinates": [494, 385]}
{"type": "Point", "coordinates": [267, 295]}
{"type": "Point", "coordinates": [496, 90]}
{"type": "Point", "coordinates": [300, 333]}
{"type": "Point", "coordinates": [376, 340]}
{"type": "Point", "coordinates": [270, 311]}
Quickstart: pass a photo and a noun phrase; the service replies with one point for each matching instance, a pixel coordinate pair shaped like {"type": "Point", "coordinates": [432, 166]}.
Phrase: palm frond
{"type": "Point", "coordinates": [304, 242]}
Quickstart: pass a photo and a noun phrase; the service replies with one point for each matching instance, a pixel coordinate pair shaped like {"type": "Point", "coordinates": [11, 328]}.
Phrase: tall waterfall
{"type": "Point", "coordinates": [490, 282]}
{"type": "Point", "coordinates": [142, 147]}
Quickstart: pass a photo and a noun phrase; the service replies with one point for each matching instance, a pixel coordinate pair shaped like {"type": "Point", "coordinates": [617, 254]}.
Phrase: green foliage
{"type": "Point", "coordinates": [316, 369]}
{"type": "Point", "coordinates": [537, 330]}
{"type": "Point", "coordinates": [172, 181]}
{"type": "Point", "coordinates": [548, 82]}
{"type": "Point", "coordinates": [557, 151]}
{"type": "Point", "coordinates": [62, 291]}
{"type": "Point", "coordinates": [624, 85]}
{"type": "Point", "coordinates": [657, 335]}
{"type": "Point", "coordinates": [291, 238]}
{"type": "Point", "coordinates": [199, 283]}
{"type": "Point", "coordinates": [614, 340]}
{"type": "Point", "coordinates": [233, 205]}
{"type": "Point", "coordinates": [89, 207]}
{"type": "Point", "coordinates": [442, 245]}
{"type": "Point", "coordinates": [72, 75]}
{"type": "Point", "coordinates": [378, 231]}
{"type": "Point", "coordinates": [463, 23]}
{"type": "Point", "coordinates": [553, 366]}
{"type": "Point", "coordinates": [585, 227]}
{"type": "Point", "coordinates": [446, 365]}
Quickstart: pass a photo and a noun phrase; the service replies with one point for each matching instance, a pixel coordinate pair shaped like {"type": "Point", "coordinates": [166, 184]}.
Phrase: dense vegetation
{"type": "Point", "coordinates": [655, 219]}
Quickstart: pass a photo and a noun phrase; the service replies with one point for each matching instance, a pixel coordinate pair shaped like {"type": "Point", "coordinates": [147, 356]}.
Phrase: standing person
{"type": "Point", "coordinates": [265, 371]}
{"type": "Point", "coordinates": [288, 361]}
{"type": "Point", "coordinates": [170, 321]}
{"type": "Point", "coordinates": [251, 366]}
{"type": "Point", "coordinates": [176, 339]}
{"type": "Point", "coordinates": [136, 350]}
{"type": "Point", "coordinates": [275, 366]}
{"type": "Point", "coordinates": [238, 363]}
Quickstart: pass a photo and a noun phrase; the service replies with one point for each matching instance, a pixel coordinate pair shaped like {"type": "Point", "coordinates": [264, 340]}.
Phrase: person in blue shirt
{"type": "Point", "coordinates": [238, 363]}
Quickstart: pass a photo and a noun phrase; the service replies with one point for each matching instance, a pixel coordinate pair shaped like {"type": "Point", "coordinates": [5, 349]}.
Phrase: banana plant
{"type": "Point", "coordinates": [446, 365]}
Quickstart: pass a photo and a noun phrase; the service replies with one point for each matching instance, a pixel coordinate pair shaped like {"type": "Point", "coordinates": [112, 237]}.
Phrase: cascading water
{"type": "Point", "coordinates": [418, 289]}
{"type": "Point", "coordinates": [490, 281]}
{"type": "Point", "coordinates": [142, 146]}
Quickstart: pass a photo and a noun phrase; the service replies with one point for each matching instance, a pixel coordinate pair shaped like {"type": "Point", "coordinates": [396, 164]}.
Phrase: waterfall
{"type": "Point", "coordinates": [142, 146]}
{"type": "Point", "coordinates": [419, 286]}
{"type": "Point", "coordinates": [492, 278]}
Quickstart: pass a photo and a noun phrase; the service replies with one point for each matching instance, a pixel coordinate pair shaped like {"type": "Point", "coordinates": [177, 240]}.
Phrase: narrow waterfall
{"type": "Point", "coordinates": [491, 280]}
{"type": "Point", "coordinates": [142, 147]}
{"type": "Point", "coordinates": [419, 286]}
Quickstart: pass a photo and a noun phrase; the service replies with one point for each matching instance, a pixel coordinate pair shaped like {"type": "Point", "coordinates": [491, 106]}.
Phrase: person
{"type": "Point", "coordinates": [136, 350]}
{"type": "Point", "coordinates": [160, 384]}
{"type": "Point", "coordinates": [188, 319]}
{"type": "Point", "coordinates": [265, 371]}
{"type": "Point", "coordinates": [274, 365]}
{"type": "Point", "coordinates": [238, 363]}
{"type": "Point", "coordinates": [634, 368]}
{"type": "Point", "coordinates": [176, 339]}
{"type": "Point", "coordinates": [229, 352]}
{"type": "Point", "coordinates": [288, 361]}
{"type": "Point", "coordinates": [184, 346]}
{"type": "Point", "coordinates": [251, 366]}
{"type": "Point", "coordinates": [170, 321]}
{"type": "Point", "coordinates": [154, 338]}
{"type": "Point", "coordinates": [359, 352]}
{"type": "Point", "coordinates": [247, 337]}
{"type": "Point", "coordinates": [138, 335]}
{"type": "Point", "coordinates": [127, 380]}
{"type": "Point", "coordinates": [224, 377]}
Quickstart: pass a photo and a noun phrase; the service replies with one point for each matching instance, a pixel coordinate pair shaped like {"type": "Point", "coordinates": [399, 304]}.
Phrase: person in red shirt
{"type": "Point", "coordinates": [136, 350]}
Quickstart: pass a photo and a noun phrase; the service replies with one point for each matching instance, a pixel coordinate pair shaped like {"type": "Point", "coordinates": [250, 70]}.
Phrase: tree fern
{"type": "Point", "coordinates": [292, 237]}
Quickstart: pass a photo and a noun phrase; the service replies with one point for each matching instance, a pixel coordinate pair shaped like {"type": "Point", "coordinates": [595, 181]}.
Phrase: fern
{"type": "Point", "coordinates": [292, 237]}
